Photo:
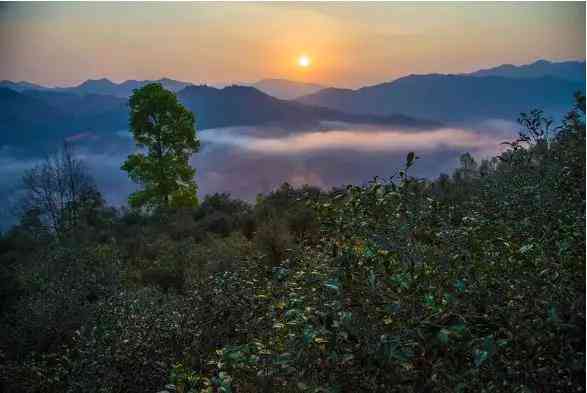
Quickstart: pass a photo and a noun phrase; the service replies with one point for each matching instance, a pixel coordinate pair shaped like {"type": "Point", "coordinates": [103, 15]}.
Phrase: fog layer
{"type": "Point", "coordinates": [245, 161]}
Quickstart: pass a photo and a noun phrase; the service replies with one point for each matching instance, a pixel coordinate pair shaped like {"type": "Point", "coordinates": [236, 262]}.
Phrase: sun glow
{"type": "Point", "coordinates": [304, 61]}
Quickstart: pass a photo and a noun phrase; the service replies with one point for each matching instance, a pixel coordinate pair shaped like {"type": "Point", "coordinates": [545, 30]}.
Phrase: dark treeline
{"type": "Point", "coordinates": [473, 282]}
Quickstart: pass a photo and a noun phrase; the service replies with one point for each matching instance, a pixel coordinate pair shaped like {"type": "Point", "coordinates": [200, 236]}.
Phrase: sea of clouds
{"type": "Point", "coordinates": [246, 161]}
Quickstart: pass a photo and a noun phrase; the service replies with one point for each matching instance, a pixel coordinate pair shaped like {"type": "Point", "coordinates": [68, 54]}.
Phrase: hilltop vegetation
{"type": "Point", "coordinates": [473, 282]}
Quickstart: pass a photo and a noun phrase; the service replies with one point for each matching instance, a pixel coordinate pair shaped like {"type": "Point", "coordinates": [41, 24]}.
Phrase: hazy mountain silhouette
{"type": "Point", "coordinates": [79, 105]}
{"type": "Point", "coordinates": [278, 88]}
{"type": "Point", "coordinates": [35, 118]}
{"type": "Point", "coordinates": [285, 89]}
{"type": "Point", "coordinates": [34, 115]}
{"type": "Point", "coordinates": [452, 97]}
{"type": "Point", "coordinates": [102, 86]}
{"type": "Point", "coordinates": [124, 89]}
{"type": "Point", "coordinates": [21, 86]}
{"type": "Point", "coordinates": [244, 105]}
{"type": "Point", "coordinates": [569, 70]}
{"type": "Point", "coordinates": [24, 119]}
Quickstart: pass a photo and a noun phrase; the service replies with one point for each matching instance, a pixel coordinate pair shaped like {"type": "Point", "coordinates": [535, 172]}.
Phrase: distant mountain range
{"type": "Point", "coordinates": [244, 105]}
{"type": "Point", "coordinates": [568, 70]}
{"type": "Point", "coordinates": [22, 85]}
{"type": "Point", "coordinates": [486, 94]}
{"type": "Point", "coordinates": [286, 89]}
{"type": "Point", "coordinates": [35, 118]}
{"type": "Point", "coordinates": [279, 88]}
{"type": "Point", "coordinates": [35, 115]}
{"type": "Point", "coordinates": [124, 89]}
{"type": "Point", "coordinates": [98, 86]}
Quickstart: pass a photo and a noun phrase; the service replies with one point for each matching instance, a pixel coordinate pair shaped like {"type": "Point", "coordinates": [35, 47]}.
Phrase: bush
{"type": "Point", "coordinates": [273, 239]}
{"type": "Point", "coordinates": [61, 293]}
{"type": "Point", "coordinates": [469, 283]}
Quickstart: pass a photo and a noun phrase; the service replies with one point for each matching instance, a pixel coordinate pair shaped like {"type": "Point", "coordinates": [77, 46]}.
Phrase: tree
{"type": "Point", "coordinates": [57, 191]}
{"type": "Point", "coordinates": [165, 129]}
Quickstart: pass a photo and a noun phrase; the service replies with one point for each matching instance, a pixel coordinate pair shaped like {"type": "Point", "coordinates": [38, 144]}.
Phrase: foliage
{"type": "Point", "coordinates": [410, 290]}
{"type": "Point", "coordinates": [165, 128]}
{"type": "Point", "coordinates": [471, 282]}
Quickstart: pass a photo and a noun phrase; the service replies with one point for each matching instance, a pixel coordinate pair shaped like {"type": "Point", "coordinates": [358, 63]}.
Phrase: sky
{"type": "Point", "coordinates": [349, 44]}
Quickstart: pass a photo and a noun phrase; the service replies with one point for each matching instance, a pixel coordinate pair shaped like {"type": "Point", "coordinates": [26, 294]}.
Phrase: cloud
{"type": "Point", "coordinates": [246, 161]}
{"type": "Point", "coordinates": [364, 139]}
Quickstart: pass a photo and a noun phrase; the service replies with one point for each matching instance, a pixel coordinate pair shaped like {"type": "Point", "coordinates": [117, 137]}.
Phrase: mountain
{"type": "Point", "coordinates": [21, 86]}
{"type": "Point", "coordinates": [452, 97]}
{"type": "Point", "coordinates": [285, 89]}
{"type": "Point", "coordinates": [36, 119]}
{"type": "Point", "coordinates": [95, 86]}
{"type": "Point", "coordinates": [568, 70]}
{"type": "Point", "coordinates": [245, 105]}
{"type": "Point", "coordinates": [33, 119]}
{"type": "Point", "coordinates": [24, 119]}
{"type": "Point", "coordinates": [79, 105]}
{"type": "Point", "coordinates": [124, 89]}
{"type": "Point", "coordinates": [102, 86]}
{"type": "Point", "coordinates": [95, 113]}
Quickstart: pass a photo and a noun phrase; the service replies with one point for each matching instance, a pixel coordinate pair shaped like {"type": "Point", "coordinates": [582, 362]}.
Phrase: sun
{"type": "Point", "coordinates": [304, 61]}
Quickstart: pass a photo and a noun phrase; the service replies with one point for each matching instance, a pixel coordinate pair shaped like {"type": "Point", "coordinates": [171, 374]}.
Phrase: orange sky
{"type": "Point", "coordinates": [351, 44]}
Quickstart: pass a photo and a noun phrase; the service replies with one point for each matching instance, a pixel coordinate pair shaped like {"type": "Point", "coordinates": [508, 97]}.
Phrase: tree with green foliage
{"type": "Point", "coordinates": [165, 129]}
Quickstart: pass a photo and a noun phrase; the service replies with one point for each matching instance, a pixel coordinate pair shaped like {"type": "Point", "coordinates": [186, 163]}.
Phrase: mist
{"type": "Point", "coordinates": [246, 161]}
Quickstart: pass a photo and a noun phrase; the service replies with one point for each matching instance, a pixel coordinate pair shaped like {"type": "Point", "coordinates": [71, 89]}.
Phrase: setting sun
{"type": "Point", "coordinates": [304, 61]}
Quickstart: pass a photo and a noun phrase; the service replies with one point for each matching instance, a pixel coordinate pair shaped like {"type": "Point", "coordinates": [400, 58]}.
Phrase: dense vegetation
{"type": "Point", "coordinates": [473, 282]}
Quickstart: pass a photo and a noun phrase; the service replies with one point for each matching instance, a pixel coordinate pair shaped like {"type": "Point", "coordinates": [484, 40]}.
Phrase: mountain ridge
{"type": "Point", "coordinates": [43, 117]}
{"type": "Point", "coordinates": [452, 97]}
{"type": "Point", "coordinates": [573, 70]}
{"type": "Point", "coordinates": [286, 89]}
{"type": "Point", "coordinates": [282, 88]}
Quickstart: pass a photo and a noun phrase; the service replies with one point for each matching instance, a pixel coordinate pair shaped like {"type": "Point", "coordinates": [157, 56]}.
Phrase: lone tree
{"type": "Point", "coordinates": [165, 130]}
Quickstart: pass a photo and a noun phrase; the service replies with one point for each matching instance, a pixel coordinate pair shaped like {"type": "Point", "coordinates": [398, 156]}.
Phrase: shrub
{"type": "Point", "coordinates": [273, 239]}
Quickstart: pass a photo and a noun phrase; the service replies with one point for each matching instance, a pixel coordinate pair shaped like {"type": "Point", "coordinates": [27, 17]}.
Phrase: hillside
{"type": "Point", "coordinates": [473, 282]}
{"type": "Point", "coordinates": [124, 89]}
{"type": "Point", "coordinates": [243, 105]}
{"type": "Point", "coordinates": [22, 85]}
{"type": "Point", "coordinates": [46, 117]}
{"type": "Point", "coordinates": [25, 119]}
{"type": "Point", "coordinates": [101, 86]}
{"type": "Point", "coordinates": [451, 97]}
{"type": "Point", "coordinates": [567, 70]}
{"type": "Point", "coordinates": [285, 89]}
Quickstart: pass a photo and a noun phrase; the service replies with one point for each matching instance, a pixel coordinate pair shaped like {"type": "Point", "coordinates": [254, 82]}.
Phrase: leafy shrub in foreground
{"type": "Point", "coordinates": [470, 283]}
{"type": "Point", "coordinates": [411, 290]}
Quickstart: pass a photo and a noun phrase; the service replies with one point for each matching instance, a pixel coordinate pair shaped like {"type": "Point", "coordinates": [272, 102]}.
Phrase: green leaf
{"type": "Point", "coordinates": [459, 328]}
{"type": "Point", "coordinates": [489, 345]}
{"type": "Point", "coordinates": [309, 335]}
{"type": "Point", "coordinates": [429, 300]}
{"type": "Point", "coordinates": [332, 284]}
{"type": "Point", "coordinates": [443, 336]}
{"type": "Point", "coordinates": [371, 279]}
{"type": "Point", "coordinates": [460, 286]}
{"type": "Point", "coordinates": [479, 357]}
{"type": "Point", "coordinates": [552, 314]}
{"type": "Point", "coordinates": [368, 252]}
